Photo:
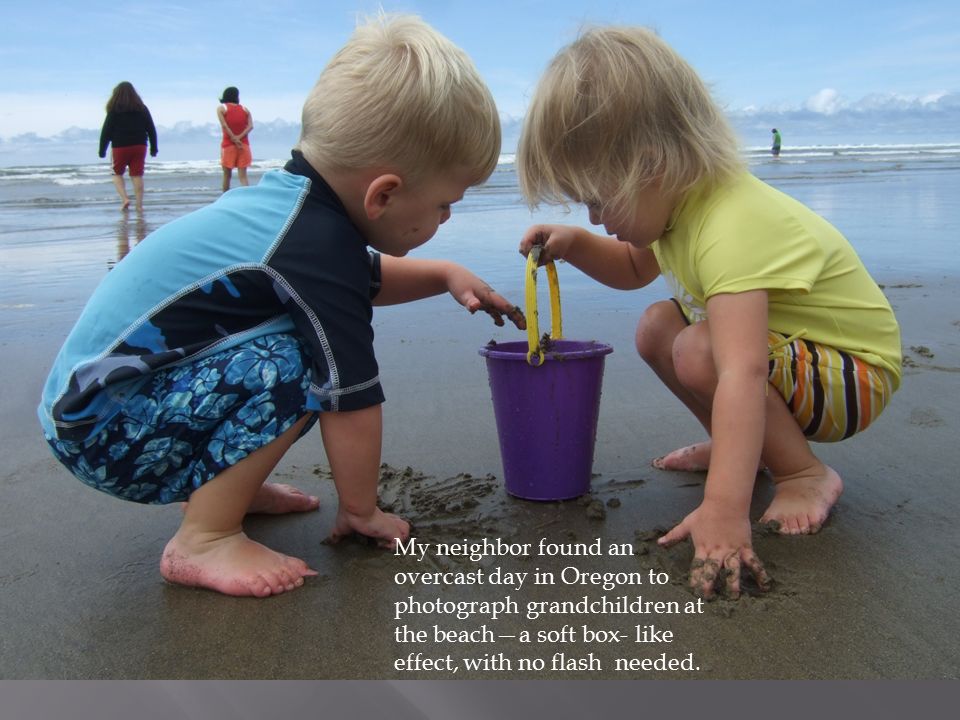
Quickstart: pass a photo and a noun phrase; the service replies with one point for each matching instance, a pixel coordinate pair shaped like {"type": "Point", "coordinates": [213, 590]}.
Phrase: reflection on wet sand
{"type": "Point", "coordinates": [137, 228]}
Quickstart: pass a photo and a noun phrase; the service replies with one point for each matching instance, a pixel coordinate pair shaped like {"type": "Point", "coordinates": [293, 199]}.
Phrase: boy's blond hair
{"type": "Point", "coordinates": [617, 110]}
{"type": "Point", "coordinates": [400, 95]}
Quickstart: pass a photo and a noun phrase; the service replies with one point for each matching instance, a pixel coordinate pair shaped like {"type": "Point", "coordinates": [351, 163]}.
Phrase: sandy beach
{"type": "Point", "coordinates": [872, 596]}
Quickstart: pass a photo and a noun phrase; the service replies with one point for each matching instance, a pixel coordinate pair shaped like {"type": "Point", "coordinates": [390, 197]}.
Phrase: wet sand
{"type": "Point", "coordinates": [872, 596]}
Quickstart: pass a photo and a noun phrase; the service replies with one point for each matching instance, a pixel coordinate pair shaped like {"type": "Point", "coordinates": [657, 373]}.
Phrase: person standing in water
{"type": "Point", "coordinates": [237, 122]}
{"type": "Point", "coordinates": [775, 148]}
{"type": "Point", "coordinates": [127, 127]}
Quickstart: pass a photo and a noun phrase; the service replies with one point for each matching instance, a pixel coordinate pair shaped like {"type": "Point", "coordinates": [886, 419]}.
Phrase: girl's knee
{"type": "Point", "coordinates": [657, 330]}
{"type": "Point", "coordinates": [693, 359]}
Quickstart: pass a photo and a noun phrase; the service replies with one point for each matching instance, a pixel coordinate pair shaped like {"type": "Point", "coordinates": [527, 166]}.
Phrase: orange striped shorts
{"type": "Point", "coordinates": [832, 394]}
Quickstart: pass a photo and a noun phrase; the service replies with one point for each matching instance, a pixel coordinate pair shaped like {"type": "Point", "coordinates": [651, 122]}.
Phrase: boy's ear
{"type": "Point", "coordinates": [379, 195]}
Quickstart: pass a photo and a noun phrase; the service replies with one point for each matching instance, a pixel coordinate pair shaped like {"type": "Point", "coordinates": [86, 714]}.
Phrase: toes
{"type": "Point", "coordinates": [260, 587]}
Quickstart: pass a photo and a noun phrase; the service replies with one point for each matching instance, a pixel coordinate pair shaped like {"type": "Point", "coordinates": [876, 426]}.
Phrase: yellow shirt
{"type": "Point", "coordinates": [747, 235]}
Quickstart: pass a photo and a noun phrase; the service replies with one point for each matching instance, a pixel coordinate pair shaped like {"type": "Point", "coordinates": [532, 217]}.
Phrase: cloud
{"type": "Point", "coordinates": [827, 102]}
{"type": "Point", "coordinates": [827, 117]}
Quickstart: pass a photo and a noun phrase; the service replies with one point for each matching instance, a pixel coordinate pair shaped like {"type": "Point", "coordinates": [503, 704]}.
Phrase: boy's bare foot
{"type": "Point", "coordinates": [693, 458]}
{"type": "Point", "coordinates": [125, 203]}
{"type": "Point", "coordinates": [802, 502]}
{"type": "Point", "coordinates": [280, 498]}
{"type": "Point", "coordinates": [232, 565]}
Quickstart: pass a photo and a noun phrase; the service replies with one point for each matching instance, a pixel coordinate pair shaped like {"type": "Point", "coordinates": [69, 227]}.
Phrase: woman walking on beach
{"type": "Point", "coordinates": [128, 126]}
{"type": "Point", "coordinates": [237, 122]}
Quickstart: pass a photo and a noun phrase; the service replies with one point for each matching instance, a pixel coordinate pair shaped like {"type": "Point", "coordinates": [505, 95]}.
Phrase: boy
{"type": "Point", "coordinates": [776, 335]}
{"type": "Point", "coordinates": [225, 335]}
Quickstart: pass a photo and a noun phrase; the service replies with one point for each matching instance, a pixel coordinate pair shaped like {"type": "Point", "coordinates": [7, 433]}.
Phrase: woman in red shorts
{"type": "Point", "coordinates": [237, 122]}
{"type": "Point", "coordinates": [127, 127]}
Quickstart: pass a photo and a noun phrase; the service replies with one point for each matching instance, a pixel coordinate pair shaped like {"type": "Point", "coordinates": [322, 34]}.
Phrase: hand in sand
{"type": "Point", "coordinates": [722, 544]}
{"type": "Point", "coordinates": [385, 528]}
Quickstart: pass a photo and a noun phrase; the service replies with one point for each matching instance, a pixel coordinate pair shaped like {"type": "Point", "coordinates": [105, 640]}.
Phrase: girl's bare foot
{"type": "Point", "coordinates": [232, 565]}
{"type": "Point", "coordinates": [280, 498]}
{"type": "Point", "coordinates": [802, 502]}
{"type": "Point", "coordinates": [693, 458]}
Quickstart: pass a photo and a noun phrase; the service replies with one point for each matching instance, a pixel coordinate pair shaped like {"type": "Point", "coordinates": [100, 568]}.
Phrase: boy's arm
{"type": "Point", "coordinates": [720, 526]}
{"type": "Point", "coordinates": [352, 440]}
{"type": "Point", "coordinates": [407, 279]}
{"type": "Point", "coordinates": [615, 264]}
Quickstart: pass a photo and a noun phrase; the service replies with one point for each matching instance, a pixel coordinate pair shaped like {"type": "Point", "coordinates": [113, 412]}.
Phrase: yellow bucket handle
{"type": "Point", "coordinates": [533, 325]}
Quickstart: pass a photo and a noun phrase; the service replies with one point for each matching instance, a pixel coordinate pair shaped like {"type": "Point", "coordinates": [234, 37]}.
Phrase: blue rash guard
{"type": "Point", "coordinates": [278, 257]}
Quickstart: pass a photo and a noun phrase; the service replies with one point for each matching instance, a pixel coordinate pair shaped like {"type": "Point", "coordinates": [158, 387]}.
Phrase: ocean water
{"type": "Point", "coordinates": [61, 229]}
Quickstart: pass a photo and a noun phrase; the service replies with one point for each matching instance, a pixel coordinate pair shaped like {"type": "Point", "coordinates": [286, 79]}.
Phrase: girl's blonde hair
{"type": "Point", "coordinates": [400, 94]}
{"type": "Point", "coordinates": [617, 110]}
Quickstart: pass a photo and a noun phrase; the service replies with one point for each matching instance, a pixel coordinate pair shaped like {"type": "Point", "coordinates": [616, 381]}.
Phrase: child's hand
{"type": "Point", "coordinates": [474, 294]}
{"type": "Point", "coordinates": [554, 239]}
{"type": "Point", "coordinates": [721, 543]}
{"type": "Point", "coordinates": [385, 528]}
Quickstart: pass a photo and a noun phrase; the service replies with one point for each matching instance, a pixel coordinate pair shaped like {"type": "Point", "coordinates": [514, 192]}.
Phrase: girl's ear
{"type": "Point", "coordinates": [380, 193]}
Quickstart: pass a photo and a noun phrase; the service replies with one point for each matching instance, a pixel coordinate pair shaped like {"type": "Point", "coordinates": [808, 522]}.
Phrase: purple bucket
{"type": "Point", "coordinates": [547, 416]}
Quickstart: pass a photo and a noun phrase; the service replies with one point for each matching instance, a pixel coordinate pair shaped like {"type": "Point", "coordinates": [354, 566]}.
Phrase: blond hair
{"type": "Point", "coordinates": [617, 110]}
{"type": "Point", "coordinates": [399, 94]}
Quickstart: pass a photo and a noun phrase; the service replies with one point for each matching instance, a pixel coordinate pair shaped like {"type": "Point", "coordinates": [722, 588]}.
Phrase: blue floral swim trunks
{"type": "Point", "coordinates": [191, 422]}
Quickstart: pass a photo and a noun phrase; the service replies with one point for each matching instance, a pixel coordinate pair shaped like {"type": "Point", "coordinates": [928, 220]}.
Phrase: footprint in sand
{"type": "Point", "coordinates": [925, 417]}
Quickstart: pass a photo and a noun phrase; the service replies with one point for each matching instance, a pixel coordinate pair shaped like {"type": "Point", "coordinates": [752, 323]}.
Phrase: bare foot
{"type": "Point", "coordinates": [693, 458]}
{"type": "Point", "coordinates": [280, 498]}
{"type": "Point", "coordinates": [125, 203]}
{"type": "Point", "coordinates": [801, 503]}
{"type": "Point", "coordinates": [232, 565]}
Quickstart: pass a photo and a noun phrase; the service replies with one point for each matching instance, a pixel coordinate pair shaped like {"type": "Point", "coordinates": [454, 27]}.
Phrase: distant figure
{"type": "Point", "coordinates": [237, 122]}
{"type": "Point", "coordinates": [127, 128]}
{"type": "Point", "coordinates": [775, 149]}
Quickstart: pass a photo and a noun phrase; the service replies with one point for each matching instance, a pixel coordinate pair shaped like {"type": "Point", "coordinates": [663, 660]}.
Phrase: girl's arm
{"type": "Point", "coordinates": [151, 133]}
{"type": "Point", "coordinates": [738, 337]}
{"type": "Point", "coordinates": [607, 260]}
{"type": "Point", "coordinates": [407, 279]}
{"type": "Point", "coordinates": [248, 128]}
{"type": "Point", "coordinates": [223, 123]}
{"type": "Point", "coordinates": [720, 526]}
{"type": "Point", "coordinates": [106, 133]}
